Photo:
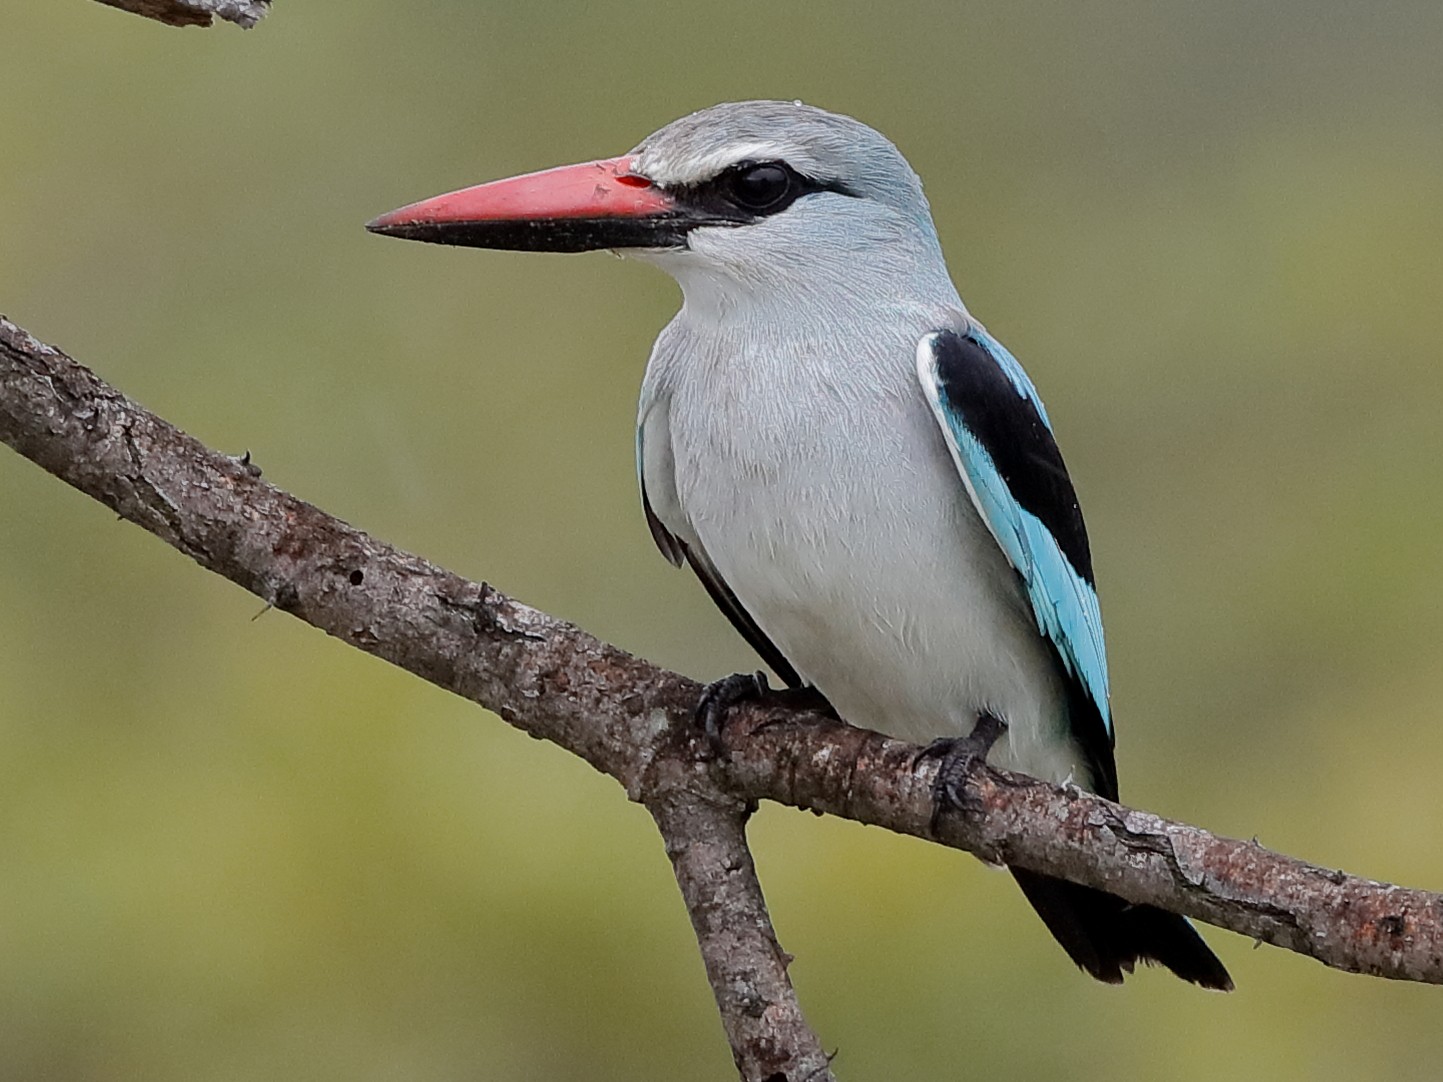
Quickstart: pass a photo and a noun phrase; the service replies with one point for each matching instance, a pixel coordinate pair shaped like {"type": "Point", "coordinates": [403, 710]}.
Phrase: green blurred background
{"type": "Point", "coordinates": [231, 848]}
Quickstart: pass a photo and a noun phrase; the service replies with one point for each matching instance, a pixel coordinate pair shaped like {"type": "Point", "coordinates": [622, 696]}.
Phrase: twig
{"type": "Point", "coordinates": [244, 13]}
{"type": "Point", "coordinates": [632, 721]}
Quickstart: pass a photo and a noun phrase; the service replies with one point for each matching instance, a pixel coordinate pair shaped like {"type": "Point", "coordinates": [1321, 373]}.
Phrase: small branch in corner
{"type": "Point", "coordinates": [243, 13]}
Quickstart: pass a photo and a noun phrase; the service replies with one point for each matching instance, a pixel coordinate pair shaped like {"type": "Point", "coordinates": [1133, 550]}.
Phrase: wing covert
{"type": "Point", "coordinates": [1000, 439]}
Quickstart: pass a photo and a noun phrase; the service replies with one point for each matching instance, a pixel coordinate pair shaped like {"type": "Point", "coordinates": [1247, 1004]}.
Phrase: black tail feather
{"type": "Point", "coordinates": [1107, 936]}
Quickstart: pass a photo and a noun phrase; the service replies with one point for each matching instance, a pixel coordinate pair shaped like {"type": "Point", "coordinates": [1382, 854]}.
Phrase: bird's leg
{"type": "Point", "coordinates": [718, 698]}
{"type": "Point", "coordinates": [958, 753]}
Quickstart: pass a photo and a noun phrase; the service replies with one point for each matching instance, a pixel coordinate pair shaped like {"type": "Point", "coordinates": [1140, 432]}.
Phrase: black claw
{"type": "Point", "coordinates": [718, 698]}
{"type": "Point", "coordinates": [958, 753]}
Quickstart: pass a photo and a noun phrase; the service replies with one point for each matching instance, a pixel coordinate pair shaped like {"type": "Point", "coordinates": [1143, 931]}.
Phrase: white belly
{"type": "Point", "coordinates": [859, 554]}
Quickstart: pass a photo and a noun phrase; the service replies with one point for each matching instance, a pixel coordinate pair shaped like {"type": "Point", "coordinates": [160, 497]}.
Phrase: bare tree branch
{"type": "Point", "coordinates": [745, 964]}
{"type": "Point", "coordinates": [244, 13]}
{"type": "Point", "coordinates": [622, 715]}
{"type": "Point", "coordinates": [633, 721]}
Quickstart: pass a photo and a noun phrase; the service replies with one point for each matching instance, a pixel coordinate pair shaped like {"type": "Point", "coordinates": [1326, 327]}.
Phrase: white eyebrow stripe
{"type": "Point", "coordinates": [667, 172]}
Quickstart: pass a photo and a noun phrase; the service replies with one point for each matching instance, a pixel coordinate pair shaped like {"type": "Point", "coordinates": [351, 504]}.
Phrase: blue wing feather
{"type": "Point", "coordinates": [1001, 441]}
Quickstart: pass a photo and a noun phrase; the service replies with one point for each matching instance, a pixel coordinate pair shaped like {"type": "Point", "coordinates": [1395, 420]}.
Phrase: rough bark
{"type": "Point", "coordinates": [633, 721]}
{"type": "Point", "coordinates": [244, 13]}
{"type": "Point", "coordinates": [625, 717]}
{"type": "Point", "coordinates": [745, 965]}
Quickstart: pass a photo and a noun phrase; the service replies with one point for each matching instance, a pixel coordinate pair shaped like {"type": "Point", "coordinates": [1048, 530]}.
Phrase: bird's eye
{"type": "Point", "coordinates": [760, 187]}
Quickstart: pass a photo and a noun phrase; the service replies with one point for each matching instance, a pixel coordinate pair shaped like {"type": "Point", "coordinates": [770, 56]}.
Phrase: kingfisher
{"type": "Point", "coordinates": [862, 477]}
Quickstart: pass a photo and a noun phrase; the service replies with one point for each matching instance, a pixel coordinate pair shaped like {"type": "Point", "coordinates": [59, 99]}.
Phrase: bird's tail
{"type": "Point", "coordinates": [1107, 936]}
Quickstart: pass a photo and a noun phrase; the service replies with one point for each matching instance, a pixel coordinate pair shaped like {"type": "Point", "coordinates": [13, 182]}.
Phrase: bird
{"type": "Point", "coordinates": [863, 478]}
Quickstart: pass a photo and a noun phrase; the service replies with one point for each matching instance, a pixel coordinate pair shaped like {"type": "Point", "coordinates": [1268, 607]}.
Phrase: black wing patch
{"type": "Point", "coordinates": [1018, 440]}
{"type": "Point", "coordinates": [999, 432]}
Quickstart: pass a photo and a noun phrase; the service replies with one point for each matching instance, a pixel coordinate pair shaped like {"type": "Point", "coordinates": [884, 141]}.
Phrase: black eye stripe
{"type": "Point", "coordinates": [750, 190]}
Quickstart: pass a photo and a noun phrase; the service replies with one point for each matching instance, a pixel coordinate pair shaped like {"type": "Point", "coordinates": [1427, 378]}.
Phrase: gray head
{"type": "Point", "coordinates": [808, 192]}
{"type": "Point", "coordinates": [744, 194]}
{"type": "Point", "coordinates": [831, 151]}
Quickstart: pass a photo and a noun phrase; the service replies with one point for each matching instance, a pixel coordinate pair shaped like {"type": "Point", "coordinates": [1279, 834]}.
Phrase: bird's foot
{"type": "Point", "coordinates": [720, 696]}
{"type": "Point", "coordinates": [958, 753]}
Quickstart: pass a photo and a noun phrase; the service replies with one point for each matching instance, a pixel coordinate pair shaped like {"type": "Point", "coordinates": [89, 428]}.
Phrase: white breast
{"type": "Point", "coordinates": [822, 491]}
